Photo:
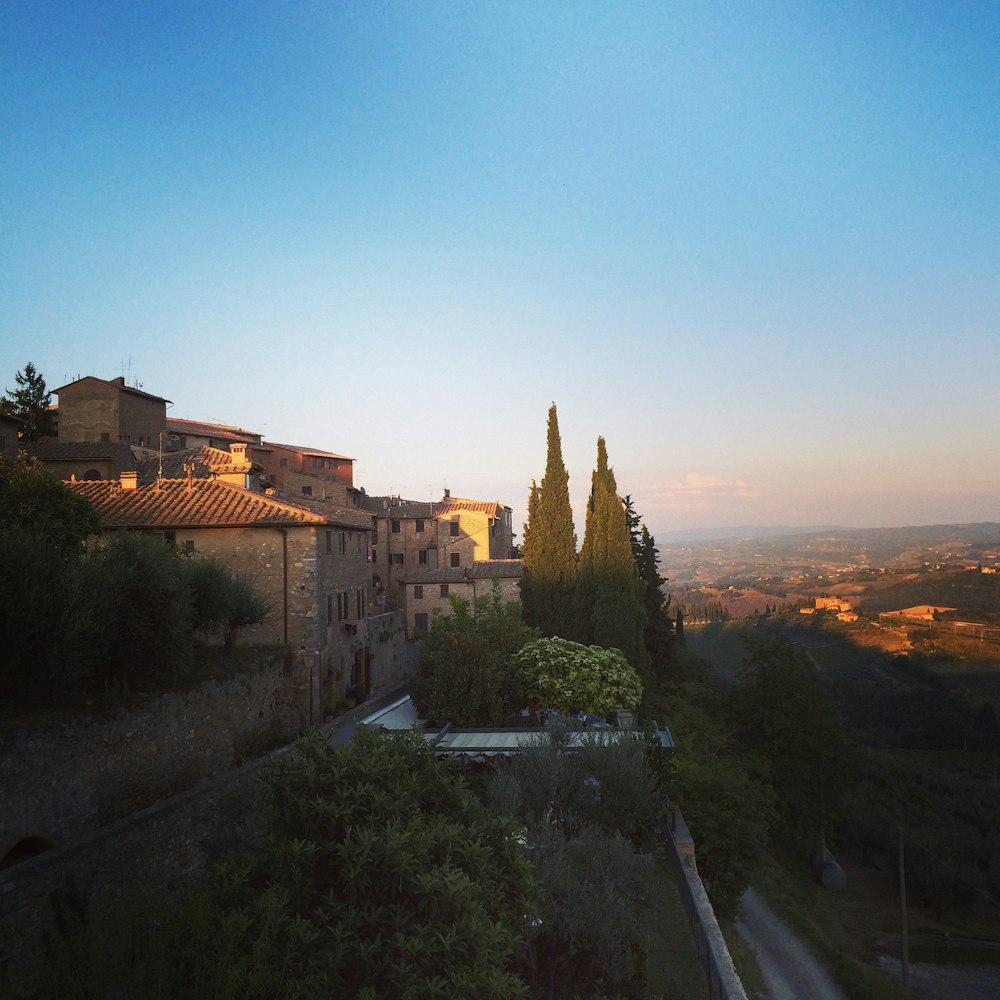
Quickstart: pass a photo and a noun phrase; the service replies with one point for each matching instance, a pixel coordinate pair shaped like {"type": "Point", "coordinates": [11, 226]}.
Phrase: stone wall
{"type": "Point", "coordinates": [67, 778]}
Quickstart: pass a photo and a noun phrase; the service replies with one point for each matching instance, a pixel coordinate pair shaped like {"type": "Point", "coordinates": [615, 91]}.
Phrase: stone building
{"type": "Point", "coordinates": [310, 567]}
{"type": "Point", "coordinates": [416, 537]}
{"type": "Point", "coordinates": [95, 410]}
{"type": "Point", "coordinates": [431, 590]}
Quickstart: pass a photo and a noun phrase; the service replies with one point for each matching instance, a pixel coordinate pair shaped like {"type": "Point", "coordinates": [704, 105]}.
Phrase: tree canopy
{"type": "Point", "coordinates": [31, 497]}
{"type": "Point", "coordinates": [30, 402]}
{"type": "Point", "coordinates": [466, 675]}
{"type": "Point", "coordinates": [609, 594]}
{"type": "Point", "coordinates": [549, 549]}
{"type": "Point", "coordinates": [566, 675]}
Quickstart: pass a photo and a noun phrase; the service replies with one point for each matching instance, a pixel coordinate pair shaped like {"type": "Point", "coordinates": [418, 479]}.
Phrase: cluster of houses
{"type": "Point", "coordinates": [336, 567]}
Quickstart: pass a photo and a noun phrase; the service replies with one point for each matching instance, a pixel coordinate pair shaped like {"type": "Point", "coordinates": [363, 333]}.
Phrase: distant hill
{"type": "Point", "coordinates": [742, 531]}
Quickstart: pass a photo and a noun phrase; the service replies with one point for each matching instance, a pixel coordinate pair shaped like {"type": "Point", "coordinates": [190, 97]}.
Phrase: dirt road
{"type": "Point", "coordinates": [789, 969]}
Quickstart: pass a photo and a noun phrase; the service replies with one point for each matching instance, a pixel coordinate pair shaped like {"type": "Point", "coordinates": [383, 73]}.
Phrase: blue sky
{"type": "Point", "coordinates": [756, 246]}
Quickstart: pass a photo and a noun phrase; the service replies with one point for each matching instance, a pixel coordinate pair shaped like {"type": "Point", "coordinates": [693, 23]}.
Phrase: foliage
{"type": "Point", "coordinates": [789, 718]}
{"type": "Point", "coordinates": [610, 599]}
{"type": "Point", "coordinates": [49, 636]}
{"type": "Point", "coordinates": [589, 936]}
{"type": "Point", "coordinates": [606, 785]}
{"type": "Point", "coordinates": [725, 797]}
{"type": "Point", "coordinates": [466, 676]}
{"type": "Point", "coordinates": [380, 875]}
{"type": "Point", "coordinates": [30, 496]}
{"type": "Point", "coordinates": [582, 811]}
{"type": "Point", "coordinates": [145, 606]}
{"type": "Point", "coordinates": [557, 673]}
{"type": "Point", "coordinates": [30, 402]}
{"type": "Point", "coordinates": [660, 629]}
{"type": "Point", "coordinates": [123, 615]}
{"type": "Point", "coordinates": [550, 560]}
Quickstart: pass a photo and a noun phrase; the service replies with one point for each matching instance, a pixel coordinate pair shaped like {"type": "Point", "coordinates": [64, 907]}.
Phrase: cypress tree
{"type": "Point", "coordinates": [610, 594]}
{"type": "Point", "coordinates": [550, 560]}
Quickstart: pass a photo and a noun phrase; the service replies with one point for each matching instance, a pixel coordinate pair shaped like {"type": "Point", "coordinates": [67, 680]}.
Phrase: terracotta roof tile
{"type": "Point", "coordinates": [52, 450]}
{"type": "Point", "coordinates": [302, 450]}
{"type": "Point", "coordinates": [178, 425]}
{"type": "Point", "coordinates": [489, 568]}
{"type": "Point", "coordinates": [202, 503]}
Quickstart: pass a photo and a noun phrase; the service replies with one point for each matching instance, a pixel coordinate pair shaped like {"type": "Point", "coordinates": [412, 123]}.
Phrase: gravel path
{"type": "Point", "coordinates": [789, 970]}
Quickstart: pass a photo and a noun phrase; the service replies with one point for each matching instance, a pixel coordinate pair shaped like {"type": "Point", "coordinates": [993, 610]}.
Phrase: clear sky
{"type": "Point", "coordinates": [754, 245]}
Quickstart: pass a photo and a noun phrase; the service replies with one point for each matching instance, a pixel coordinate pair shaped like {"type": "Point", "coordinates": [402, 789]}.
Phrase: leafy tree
{"type": "Point", "coordinates": [583, 813]}
{"type": "Point", "coordinates": [609, 594]}
{"type": "Point", "coordinates": [379, 874]}
{"type": "Point", "coordinates": [50, 635]}
{"type": "Point", "coordinates": [550, 560]}
{"type": "Point", "coordinates": [30, 496]}
{"type": "Point", "coordinates": [30, 402]}
{"type": "Point", "coordinates": [145, 604]}
{"type": "Point", "coordinates": [466, 676]}
{"type": "Point", "coordinates": [659, 633]}
{"type": "Point", "coordinates": [558, 673]}
{"type": "Point", "coordinates": [790, 719]}
{"type": "Point", "coordinates": [725, 796]}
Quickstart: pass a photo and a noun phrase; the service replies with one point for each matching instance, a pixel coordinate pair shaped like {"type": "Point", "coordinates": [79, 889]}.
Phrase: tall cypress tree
{"type": "Point", "coordinates": [550, 561]}
{"type": "Point", "coordinates": [610, 595]}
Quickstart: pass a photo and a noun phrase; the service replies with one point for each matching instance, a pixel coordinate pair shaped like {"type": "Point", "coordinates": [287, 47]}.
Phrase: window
{"type": "Point", "coordinates": [189, 545]}
{"type": "Point", "coordinates": [329, 541]}
{"type": "Point", "coordinates": [395, 525]}
{"type": "Point", "coordinates": [343, 607]}
{"type": "Point", "coordinates": [444, 590]}
{"type": "Point", "coordinates": [420, 621]}
{"type": "Point", "coordinates": [359, 603]}
{"type": "Point", "coordinates": [105, 437]}
{"type": "Point", "coordinates": [361, 539]}
{"type": "Point", "coordinates": [374, 530]}
{"type": "Point", "coordinates": [3, 442]}
{"type": "Point", "coordinates": [282, 463]}
{"type": "Point", "coordinates": [374, 555]}
{"type": "Point", "coordinates": [343, 543]}
{"type": "Point", "coordinates": [91, 475]}
{"type": "Point", "coordinates": [317, 462]}
{"type": "Point", "coordinates": [453, 529]}
{"type": "Point", "coordinates": [418, 593]}
{"type": "Point", "coordinates": [418, 525]}
{"type": "Point", "coordinates": [307, 491]}
{"type": "Point", "coordinates": [329, 609]}
{"type": "Point", "coordinates": [396, 559]}
{"type": "Point", "coordinates": [455, 558]}
{"type": "Point", "coordinates": [422, 557]}
{"type": "Point", "coordinates": [170, 537]}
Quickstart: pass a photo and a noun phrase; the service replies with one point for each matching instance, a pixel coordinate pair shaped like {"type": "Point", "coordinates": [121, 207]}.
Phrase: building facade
{"type": "Point", "coordinates": [310, 568]}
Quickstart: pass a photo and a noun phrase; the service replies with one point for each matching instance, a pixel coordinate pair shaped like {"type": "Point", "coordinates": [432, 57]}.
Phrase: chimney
{"type": "Point", "coordinates": [129, 480]}
{"type": "Point", "coordinates": [447, 494]}
{"type": "Point", "coordinates": [238, 452]}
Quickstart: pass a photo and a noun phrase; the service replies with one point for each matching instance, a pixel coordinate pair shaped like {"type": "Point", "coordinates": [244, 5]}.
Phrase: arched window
{"type": "Point", "coordinates": [92, 474]}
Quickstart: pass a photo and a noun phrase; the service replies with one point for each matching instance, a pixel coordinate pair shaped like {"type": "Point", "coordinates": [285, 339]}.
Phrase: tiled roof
{"type": "Point", "coordinates": [454, 505]}
{"type": "Point", "coordinates": [450, 574]}
{"type": "Point", "coordinates": [207, 462]}
{"type": "Point", "coordinates": [219, 431]}
{"type": "Point", "coordinates": [52, 450]}
{"type": "Point", "coordinates": [202, 503]}
{"type": "Point", "coordinates": [489, 568]}
{"type": "Point", "coordinates": [308, 451]}
{"type": "Point", "coordinates": [343, 516]}
{"type": "Point", "coordinates": [395, 507]}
